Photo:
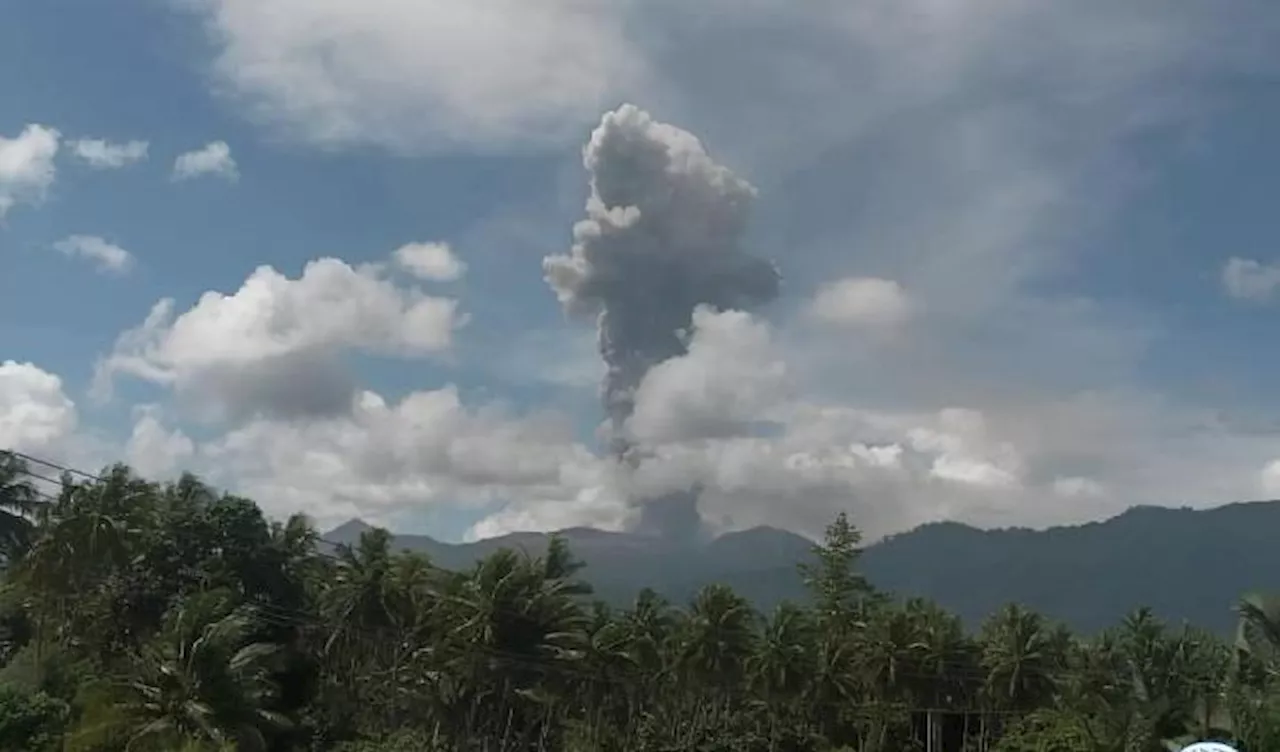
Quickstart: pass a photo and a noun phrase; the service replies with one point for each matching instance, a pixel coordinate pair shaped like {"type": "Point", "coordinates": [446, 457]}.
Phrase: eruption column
{"type": "Point", "coordinates": [662, 236]}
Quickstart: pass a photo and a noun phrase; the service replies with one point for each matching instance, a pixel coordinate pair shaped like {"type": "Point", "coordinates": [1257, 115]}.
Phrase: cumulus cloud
{"type": "Point", "coordinates": [1246, 279]}
{"type": "Point", "coordinates": [989, 465]}
{"type": "Point", "coordinates": [155, 450]}
{"type": "Point", "coordinates": [35, 412]}
{"type": "Point", "coordinates": [890, 469]}
{"type": "Point", "coordinates": [26, 166]}
{"type": "Point", "coordinates": [861, 302]}
{"type": "Point", "coordinates": [728, 382]}
{"type": "Point", "coordinates": [429, 448]}
{"type": "Point", "coordinates": [422, 76]}
{"type": "Point", "coordinates": [108, 257]}
{"type": "Point", "coordinates": [105, 155]}
{"type": "Point", "coordinates": [377, 460]}
{"type": "Point", "coordinates": [1269, 479]}
{"type": "Point", "coordinates": [726, 418]}
{"type": "Point", "coordinates": [434, 262]}
{"type": "Point", "coordinates": [275, 346]}
{"type": "Point", "coordinates": [212, 159]}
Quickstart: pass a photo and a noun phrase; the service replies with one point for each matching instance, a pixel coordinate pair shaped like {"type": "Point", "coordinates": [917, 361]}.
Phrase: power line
{"type": "Point", "coordinates": [52, 465]}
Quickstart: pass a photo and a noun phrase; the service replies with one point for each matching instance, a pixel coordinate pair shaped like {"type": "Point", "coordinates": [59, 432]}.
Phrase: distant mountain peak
{"type": "Point", "coordinates": [349, 531]}
{"type": "Point", "coordinates": [759, 534]}
{"type": "Point", "coordinates": [353, 524]}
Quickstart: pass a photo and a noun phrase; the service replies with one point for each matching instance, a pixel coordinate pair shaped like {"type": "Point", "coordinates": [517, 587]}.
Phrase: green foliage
{"type": "Point", "coordinates": [400, 741]}
{"type": "Point", "coordinates": [1048, 731]}
{"type": "Point", "coordinates": [30, 721]}
{"type": "Point", "coordinates": [141, 617]}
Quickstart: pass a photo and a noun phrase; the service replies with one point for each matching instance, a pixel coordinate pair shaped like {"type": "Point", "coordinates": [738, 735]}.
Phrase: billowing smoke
{"type": "Point", "coordinates": [662, 236]}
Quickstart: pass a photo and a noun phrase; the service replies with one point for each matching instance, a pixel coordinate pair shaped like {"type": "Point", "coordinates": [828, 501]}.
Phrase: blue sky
{"type": "Point", "coordinates": [1005, 234]}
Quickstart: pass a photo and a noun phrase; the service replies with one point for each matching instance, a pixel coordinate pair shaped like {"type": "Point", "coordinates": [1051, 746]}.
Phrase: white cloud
{"type": "Point", "coordinates": [1246, 279]}
{"type": "Point", "coordinates": [434, 262]}
{"type": "Point", "coordinates": [1074, 487]}
{"type": "Point", "coordinates": [26, 166]}
{"type": "Point", "coordinates": [108, 257]}
{"type": "Point", "coordinates": [35, 412]}
{"type": "Point", "coordinates": [376, 460]}
{"type": "Point", "coordinates": [425, 75]}
{"type": "Point", "coordinates": [754, 434]}
{"type": "Point", "coordinates": [893, 470]}
{"type": "Point", "coordinates": [1269, 479]}
{"type": "Point", "coordinates": [154, 450]}
{"type": "Point", "coordinates": [432, 75]}
{"type": "Point", "coordinates": [727, 418]}
{"type": "Point", "coordinates": [104, 155]}
{"type": "Point", "coordinates": [275, 346]}
{"type": "Point", "coordinates": [213, 158]}
{"type": "Point", "coordinates": [861, 302]}
{"type": "Point", "coordinates": [889, 469]}
{"type": "Point", "coordinates": [728, 382]}
{"type": "Point", "coordinates": [427, 449]}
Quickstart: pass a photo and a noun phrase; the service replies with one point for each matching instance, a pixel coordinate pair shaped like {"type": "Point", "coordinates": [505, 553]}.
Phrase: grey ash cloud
{"type": "Point", "coordinates": [663, 235]}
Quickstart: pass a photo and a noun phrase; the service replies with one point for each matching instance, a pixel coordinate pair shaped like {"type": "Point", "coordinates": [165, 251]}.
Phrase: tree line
{"type": "Point", "coordinates": [138, 616]}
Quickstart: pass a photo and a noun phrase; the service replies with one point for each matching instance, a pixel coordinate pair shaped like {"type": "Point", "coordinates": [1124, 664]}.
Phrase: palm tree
{"type": "Point", "coordinates": [1258, 631]}
{"type": "Point", "coordinates": [719, 638]}
{"type": "Point", "coordinates": [942, 656]}
{"type": "Point", "coordinates": [1255, 708]}
{"type": "Point", "coordinates": [361, 644]}
{"type": "Point", "coordinates": [204, 681]}
{"type": "Point", "coordinates": [19, 503]}
{"type": "Point", "coordinates": [784, 662]}
{"type": "Point", "coordinates": [514, 631]}
{"type": "Point", "coordinates": [88, 530]}
{"type": "Point", "coordinates": [650, 625]}
{"type": "Point", "coordinates": [837, 681]}
{"type": "Point", "coordinates": [1020, 655]}
{"type": "Point", "coordinates": [358, 597]}
{"type": "Point", "coordinates": [84, 551]}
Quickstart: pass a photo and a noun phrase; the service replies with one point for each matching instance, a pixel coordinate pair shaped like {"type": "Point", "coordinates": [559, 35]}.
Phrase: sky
{"type": "Point", "coordinates": [1007, 263]}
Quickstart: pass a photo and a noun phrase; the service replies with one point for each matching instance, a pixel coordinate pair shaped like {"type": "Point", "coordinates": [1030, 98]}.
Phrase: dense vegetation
{"type": "Point", "coordinates": [142, 616]}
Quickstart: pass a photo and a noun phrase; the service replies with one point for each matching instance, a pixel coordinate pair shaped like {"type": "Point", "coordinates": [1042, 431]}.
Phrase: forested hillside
{"type": "Point", "coordinates": [1185, 564]}
{"type": "Point", "coordinates": [157, 617]}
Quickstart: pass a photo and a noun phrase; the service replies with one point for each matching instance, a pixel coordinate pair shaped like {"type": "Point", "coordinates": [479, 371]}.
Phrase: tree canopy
{"type": "Point", "coordinates": [138, 616]}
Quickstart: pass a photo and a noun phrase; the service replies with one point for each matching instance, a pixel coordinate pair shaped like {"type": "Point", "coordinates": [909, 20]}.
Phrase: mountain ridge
{"type": "Point", "coordinates": [1187, 564]}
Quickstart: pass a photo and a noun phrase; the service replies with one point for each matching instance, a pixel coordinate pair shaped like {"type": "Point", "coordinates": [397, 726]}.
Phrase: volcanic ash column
{"type": "Point", "coordinates": [662, 236]}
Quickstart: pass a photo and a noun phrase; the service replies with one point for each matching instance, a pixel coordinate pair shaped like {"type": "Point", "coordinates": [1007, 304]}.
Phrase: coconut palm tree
{"type": "Point", "coordinates": [1020, 655]}
{"type": "Point", "coordinates": [718, 639]}
{"type": "Point", "coordinates": [19, 503]}
{"type": "Point", "coordinates": [1258, 631]}
{"type": "Point", "coordinates": [205, 681]}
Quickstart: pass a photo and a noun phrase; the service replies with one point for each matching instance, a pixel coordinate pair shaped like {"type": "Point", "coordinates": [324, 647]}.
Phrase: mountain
{"type": "Point", "coordinates": [760, 563]}
{"type": "Point", "coordinates": [1186, 564]}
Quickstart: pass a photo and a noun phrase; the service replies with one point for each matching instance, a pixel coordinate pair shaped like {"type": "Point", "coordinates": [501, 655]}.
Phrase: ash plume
{"type": "Point", "coordinates": [662, 236]}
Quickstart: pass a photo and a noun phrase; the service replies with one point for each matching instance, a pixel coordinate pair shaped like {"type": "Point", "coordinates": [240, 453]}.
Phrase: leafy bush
{"type": "Point", "coordinates": [30, 721]}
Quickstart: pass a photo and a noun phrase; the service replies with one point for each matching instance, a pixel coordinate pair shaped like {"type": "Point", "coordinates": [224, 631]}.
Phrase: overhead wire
{"type": "Point", "coordinates": [52, 465]}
